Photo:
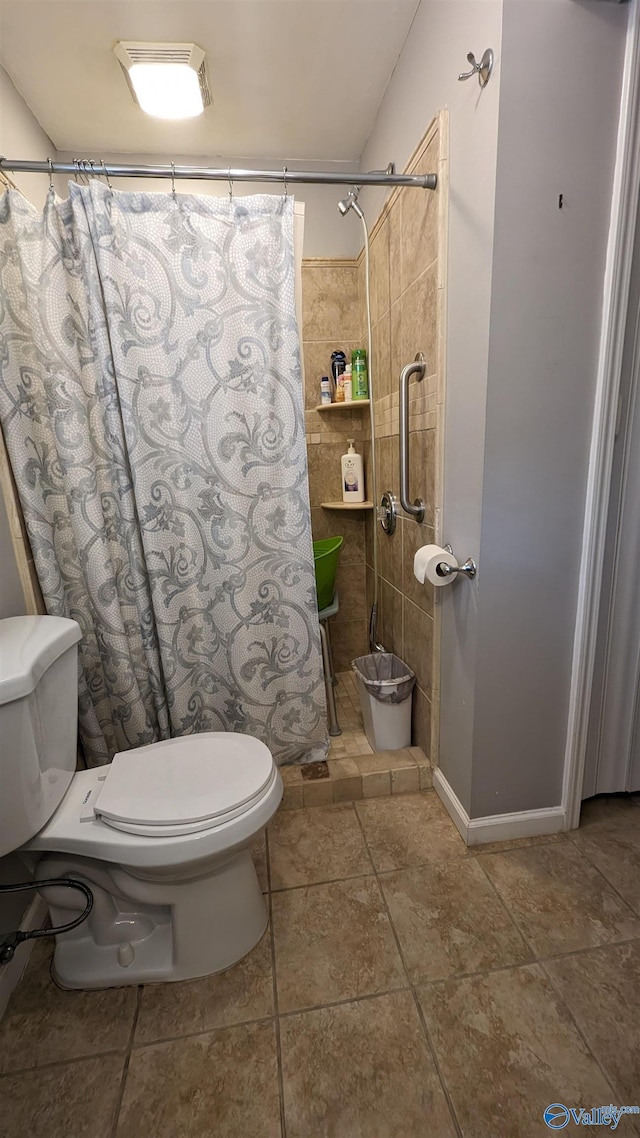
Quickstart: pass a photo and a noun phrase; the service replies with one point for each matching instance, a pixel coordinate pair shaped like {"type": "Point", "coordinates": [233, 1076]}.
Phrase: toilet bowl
{"type": "Point", "coordinates": [163, 838]}
{"type": "Point", "coordinates": [162, 835]}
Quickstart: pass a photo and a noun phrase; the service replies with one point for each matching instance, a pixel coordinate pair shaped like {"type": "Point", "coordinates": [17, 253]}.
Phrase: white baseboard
{"type": "Point", "coordinates": [452, 803]}
{"type": "Point", "coordinates": [498, 827]}
{"type": "Point", "coordinates": [10, 974]}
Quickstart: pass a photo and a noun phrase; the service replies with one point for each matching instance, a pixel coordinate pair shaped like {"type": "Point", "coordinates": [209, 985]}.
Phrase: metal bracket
{"type": "Point", "coordinates": [469, 568]}
{"type": "Point", "coordinates": [388, 512]}
{"type": "Point", "coordinates": [482, 69]}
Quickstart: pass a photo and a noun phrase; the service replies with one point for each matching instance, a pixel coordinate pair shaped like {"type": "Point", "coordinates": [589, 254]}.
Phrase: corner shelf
{"type": "Point", "coordinates": [347, 505]}
{"type": "Point", "coordinates": [348, 405]}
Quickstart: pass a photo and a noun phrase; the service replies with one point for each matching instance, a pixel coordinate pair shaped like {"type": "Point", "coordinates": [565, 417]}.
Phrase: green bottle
{"type": "Point", "coordinates": [359, 374]}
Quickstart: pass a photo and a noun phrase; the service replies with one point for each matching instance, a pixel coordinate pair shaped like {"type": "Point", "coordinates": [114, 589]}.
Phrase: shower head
{"type": "Point", "coordinates": [351, 202]}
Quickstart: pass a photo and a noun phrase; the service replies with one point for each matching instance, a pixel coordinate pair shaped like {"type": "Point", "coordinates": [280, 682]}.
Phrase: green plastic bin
{"type": "Point", "coordinates": [325, 555]}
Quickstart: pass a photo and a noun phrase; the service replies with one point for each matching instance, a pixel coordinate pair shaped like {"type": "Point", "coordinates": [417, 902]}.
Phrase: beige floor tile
{"type": "Point", "coordinates": [363, 746]}
{"type": "Point", "coordinates": [374, 763]}
{"type": "Point", "coordinates": [376, 784]}
{"type": "Point", "coordinates": [449, 920]}
{"type": "Point", "coordinates": [223, 1083]}
{"type": "Point", "coordinates": [347, 789]}
{"type": "Point", "coordinates": [244, 992]}
{"type": "Point", "coordinates": [259, 854]}
{"type": "Point", "coordinates": [73, 1100]}
{"type": "Point", "coordinates": [333, 942]}
{"type": "Point", "coordinates": [411, 829]}
{"type": "Point", "coordinates": [317, 793]}
{"type": "Point", "coordinates": [44, 1024]}
{"type": "Point", "coordinates": [309, 846]}
{"type": "Point", "coordinates": [405, 781]}
{"type": "Point", "coordinates": [292, 798]}
{"type": "Point", "coordinates": [361, 1070]}
{"type": "Point", "coordinates": [291, 775]}
{"type": "Point", "coordinates": [602, 990]}
{"type": "Point", "coordinates": [559, 901]}
{"type": "Point", "coordinates": [606, 811]}
{"type": "Point", "coordinates": [616, 853]}
{"type": "Point", "coordinates": [507, 1050]}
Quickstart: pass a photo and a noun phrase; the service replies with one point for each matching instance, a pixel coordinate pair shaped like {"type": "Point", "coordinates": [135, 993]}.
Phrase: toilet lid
{"type": "Point", "coordinates": [188, 782]}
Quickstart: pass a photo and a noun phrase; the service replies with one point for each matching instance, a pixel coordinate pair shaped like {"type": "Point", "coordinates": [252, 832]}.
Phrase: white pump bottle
{"type": "Point", "coordinates": [352, 475]}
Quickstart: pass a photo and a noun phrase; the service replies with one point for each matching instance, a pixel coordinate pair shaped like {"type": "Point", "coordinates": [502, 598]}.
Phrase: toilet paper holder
{"type": "Point", "coordinates": [469, 568]}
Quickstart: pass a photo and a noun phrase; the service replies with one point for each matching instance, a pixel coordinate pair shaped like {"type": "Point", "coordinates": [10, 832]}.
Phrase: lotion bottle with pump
{"type": "Point", "coordinates": [352, 475]}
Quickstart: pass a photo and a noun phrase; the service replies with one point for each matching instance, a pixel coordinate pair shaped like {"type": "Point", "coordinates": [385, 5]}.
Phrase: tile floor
{"type": "Point", "coordinates": [406, 988]}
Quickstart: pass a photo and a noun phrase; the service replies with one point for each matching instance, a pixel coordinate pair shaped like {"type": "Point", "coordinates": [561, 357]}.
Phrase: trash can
{"type": "Point", "coordinates": [385, 684]}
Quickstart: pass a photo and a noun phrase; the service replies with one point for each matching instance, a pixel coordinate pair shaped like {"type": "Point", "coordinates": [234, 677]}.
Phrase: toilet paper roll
{"type": "Point", "coordinates": [426, 562]}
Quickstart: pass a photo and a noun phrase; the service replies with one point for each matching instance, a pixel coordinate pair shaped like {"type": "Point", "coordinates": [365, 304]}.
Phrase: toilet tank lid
{"type": "Point", "coordinates": [28, 646]}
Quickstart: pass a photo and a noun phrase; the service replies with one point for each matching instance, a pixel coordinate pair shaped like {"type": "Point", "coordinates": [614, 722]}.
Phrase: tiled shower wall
{"type": "Point", "coordinates": [408, 244]}
{"type": "Point", "coordinates": [332, 318]}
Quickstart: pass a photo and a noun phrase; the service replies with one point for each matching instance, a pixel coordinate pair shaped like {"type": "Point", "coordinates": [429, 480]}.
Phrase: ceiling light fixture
{"type": "Point", "coordinates": [167, 80]}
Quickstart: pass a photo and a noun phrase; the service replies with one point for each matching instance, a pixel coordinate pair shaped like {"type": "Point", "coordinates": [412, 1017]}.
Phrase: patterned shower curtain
{"type": "Point", "coordinates": [151, 403]}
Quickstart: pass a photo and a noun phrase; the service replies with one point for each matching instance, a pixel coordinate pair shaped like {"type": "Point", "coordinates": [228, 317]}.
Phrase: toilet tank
{"type": "Point", "coordinates": [38, 722]}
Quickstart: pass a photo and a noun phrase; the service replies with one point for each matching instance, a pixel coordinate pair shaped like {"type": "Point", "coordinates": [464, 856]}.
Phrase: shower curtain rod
{"type": "Point", "coordinates": [86, 166]}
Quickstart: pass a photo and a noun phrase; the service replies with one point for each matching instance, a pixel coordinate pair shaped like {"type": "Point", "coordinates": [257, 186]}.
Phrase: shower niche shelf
{"type": "Point", "coordinates": [350, 405]}
{"type": "Point", "coordinates": [347, 505]}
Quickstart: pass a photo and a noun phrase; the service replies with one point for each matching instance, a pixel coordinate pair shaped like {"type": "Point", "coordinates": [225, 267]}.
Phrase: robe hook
{"type": "Point", "coordinates": [482, 69]}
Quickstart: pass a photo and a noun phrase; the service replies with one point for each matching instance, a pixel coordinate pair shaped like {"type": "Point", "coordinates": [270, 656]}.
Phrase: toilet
{"type": "Point", "coordinates": [162, 835]}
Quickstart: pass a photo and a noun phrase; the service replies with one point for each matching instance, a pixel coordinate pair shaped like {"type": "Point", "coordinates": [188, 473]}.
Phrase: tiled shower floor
{"type": "Point", "coordinates": [353, 740]}
{"type": "Point", "coordinates": [406, 988]}
{"type": "Point", "coordinates": [352, 770]}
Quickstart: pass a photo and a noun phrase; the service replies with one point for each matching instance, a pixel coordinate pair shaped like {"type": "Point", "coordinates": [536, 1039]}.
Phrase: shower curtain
{"type": "Point", "coordinates": [151, 403]}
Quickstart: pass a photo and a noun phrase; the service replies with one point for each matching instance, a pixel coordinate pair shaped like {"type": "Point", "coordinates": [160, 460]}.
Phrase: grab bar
{"type": "Point", "coordinates": [417, 368]}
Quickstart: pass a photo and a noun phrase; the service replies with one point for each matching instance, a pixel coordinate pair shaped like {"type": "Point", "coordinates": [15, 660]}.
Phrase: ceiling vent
{"type": "Point", "coordinates": [144, 64]}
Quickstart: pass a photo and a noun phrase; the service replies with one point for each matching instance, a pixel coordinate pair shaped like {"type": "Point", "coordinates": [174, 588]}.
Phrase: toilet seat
{"type": "Point", "coordinates": [183, 786]}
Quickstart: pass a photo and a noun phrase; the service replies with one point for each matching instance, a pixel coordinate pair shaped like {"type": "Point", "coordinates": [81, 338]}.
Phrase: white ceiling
{"type": "Point", "coordinates": [297, 79]}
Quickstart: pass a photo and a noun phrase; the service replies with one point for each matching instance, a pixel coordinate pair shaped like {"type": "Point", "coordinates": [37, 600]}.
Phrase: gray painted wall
{"type": "Point", "coordinates": [524, 305]}
{"type": "Point", "coordinates": [425, 81]}
{"type": "Point", "coordinates": [556, 136]}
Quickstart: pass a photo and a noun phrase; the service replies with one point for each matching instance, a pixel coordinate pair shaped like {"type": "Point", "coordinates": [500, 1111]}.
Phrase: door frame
{"type": "Point", "coordinates": [624, 206]}
{"type": "Point", "coordinates": [614, 710]}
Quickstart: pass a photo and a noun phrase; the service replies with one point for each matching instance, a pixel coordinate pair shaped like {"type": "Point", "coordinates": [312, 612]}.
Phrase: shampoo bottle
{"type": "Point", "coordinates": [352, 475]}
{"type": "Point", "coordinates": [359, 373]}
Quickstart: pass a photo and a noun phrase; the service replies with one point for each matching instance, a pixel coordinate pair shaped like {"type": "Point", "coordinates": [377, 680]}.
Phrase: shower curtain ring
{"type": "Point", "coordinates": [104, 171]}
{"type": "Point", "coordinates": [230, 184]}
{"type": "Point", "coordinates": [173, 180]}
{"type": "Point", "coordinates": [284, 177]}
{"type": "Point", "coordinates": [51, 189]}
